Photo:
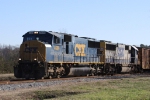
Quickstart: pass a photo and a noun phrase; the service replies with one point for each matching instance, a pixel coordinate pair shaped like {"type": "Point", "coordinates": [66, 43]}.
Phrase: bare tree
{"type": "Point", "coordinates": [8, 57]}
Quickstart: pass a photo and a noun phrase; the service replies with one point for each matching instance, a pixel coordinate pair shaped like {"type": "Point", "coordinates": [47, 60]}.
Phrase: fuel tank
{"type": "Point", "coordinates": [126, 69]}
{"type": "Point", "coordinates": [79, 71]}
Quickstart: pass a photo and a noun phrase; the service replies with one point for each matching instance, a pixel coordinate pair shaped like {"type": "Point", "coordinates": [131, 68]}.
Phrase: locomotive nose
{"type": "Point", "coordinates": [32, 51]}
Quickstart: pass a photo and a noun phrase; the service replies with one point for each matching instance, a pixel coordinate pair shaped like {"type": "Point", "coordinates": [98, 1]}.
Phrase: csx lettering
{"type": "Point", "coordinates": [120, 52]}
{"type": "Point", "coordinates": [30, 49]}
{"type": "Point", "coordinates": [79, 50]}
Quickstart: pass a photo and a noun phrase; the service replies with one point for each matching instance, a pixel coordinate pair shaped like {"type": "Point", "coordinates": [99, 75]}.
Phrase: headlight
{"type": "Point", "coordinates": [19, 58]}
{"type": "Point", "coordinates": [35, 59]}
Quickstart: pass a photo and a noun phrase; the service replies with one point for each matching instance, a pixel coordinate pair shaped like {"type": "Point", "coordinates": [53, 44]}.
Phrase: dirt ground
{"type": "Point", "coordinates": [7, 75]}
{"type": "Point", "coordinates": [23, 94]}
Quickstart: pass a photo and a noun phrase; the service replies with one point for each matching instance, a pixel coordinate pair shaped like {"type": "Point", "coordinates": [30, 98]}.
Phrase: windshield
{"type": "Point", "coordinates": [43, 38]}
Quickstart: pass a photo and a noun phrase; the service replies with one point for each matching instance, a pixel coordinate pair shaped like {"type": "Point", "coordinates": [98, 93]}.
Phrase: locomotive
{"type": "Point", "coordinates": [55, 54]}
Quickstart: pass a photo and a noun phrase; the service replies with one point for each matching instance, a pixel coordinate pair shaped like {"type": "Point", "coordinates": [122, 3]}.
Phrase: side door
{"type": "Point", "coordinates": [57, 48]}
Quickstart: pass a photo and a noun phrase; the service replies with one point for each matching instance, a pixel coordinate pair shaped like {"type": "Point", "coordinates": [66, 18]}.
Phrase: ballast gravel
{"type": "Point", "coordinates": [12, 87]}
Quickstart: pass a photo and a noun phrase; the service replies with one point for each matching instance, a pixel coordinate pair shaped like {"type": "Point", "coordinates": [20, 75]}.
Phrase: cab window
{"type": "Point", "coordinates": [56, 40]}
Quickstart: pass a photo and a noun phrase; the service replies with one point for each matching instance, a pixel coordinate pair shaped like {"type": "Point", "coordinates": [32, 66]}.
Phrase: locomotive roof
{"type": "Point", "coordinates": [63, 33]}
{"type": "Point", "coordinates": [38, 32]}
{"type": "Point", "coordinates": [58, 34]}
{"type": "Point", "coordinates": [88, 38]}
{"type": "Point", "coordinates": [135, 47]}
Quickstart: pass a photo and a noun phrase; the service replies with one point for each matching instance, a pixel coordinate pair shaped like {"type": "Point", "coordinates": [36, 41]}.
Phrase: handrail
{"type": "Point", "coordinates": [41, 55]}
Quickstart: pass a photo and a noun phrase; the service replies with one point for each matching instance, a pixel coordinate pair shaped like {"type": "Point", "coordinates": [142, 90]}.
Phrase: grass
{"type": "Point", "coordinates": [117, 89]}
{"type": "Point", "coordinates": [122, 89]}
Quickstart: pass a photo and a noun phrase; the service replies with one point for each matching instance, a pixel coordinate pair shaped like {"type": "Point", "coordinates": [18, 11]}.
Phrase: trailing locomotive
{"type": "Point", "coordinates": [121, 57]}
{"type": "Point", "coordinates": [52, 54]}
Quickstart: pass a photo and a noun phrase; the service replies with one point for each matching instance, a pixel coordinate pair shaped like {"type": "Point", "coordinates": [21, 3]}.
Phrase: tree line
{"type": "Point", "coordinates": [145, 46]}
{"type": "Point", "coordinates": [8, 58]}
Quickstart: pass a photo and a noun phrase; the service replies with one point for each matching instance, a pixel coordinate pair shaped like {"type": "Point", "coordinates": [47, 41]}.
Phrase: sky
{"type": "Point", "coordinates": [119, 21]}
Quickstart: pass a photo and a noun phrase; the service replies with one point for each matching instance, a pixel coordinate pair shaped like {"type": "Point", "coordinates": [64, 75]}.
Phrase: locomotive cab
{"type": "Point", "coordinates": [41, 36]}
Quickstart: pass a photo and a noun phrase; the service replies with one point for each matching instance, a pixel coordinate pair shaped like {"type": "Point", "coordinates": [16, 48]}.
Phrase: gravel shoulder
{"type": "Point", "coordinates": [21, 94]}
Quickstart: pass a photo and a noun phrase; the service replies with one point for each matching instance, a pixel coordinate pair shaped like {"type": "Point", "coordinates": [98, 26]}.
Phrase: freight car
{"type": "Point", "coordinates": [144, 58]}
{"type": "Point", "coordinates": [52, 54]}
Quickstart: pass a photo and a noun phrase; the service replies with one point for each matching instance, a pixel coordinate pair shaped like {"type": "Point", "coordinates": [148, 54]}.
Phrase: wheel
{"type": "Point", "coordinates": [58, 76]}
{"type": "Point", "coordinates": [50, 77]}
{"type": "Point", "coordinates": [42, 78]}
{"type": "Point", "coordinates": [92, 72]}
{"type": "Point", "coordinates": [67, 71]}
{"type": "Point", "coordinates": [118, 69]}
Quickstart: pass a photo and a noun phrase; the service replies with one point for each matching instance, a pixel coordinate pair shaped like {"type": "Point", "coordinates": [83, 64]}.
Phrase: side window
{"type": "Point", "coordinates": [56, 40]}
{"type": "Point", "coordinates": [110, 47]}
{"type": "Point", "coordinates": [62, 41]}
{"type": "Point", "coordinates": [29, 38]}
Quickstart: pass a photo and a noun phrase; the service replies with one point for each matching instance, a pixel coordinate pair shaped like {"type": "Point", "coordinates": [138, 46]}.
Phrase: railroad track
{"type": "Point", "coordinates": [13, 85]}
{"type": "Point", "coordinates": [16, 81]}
{"type": "Point", "coordinates": [116, 76]}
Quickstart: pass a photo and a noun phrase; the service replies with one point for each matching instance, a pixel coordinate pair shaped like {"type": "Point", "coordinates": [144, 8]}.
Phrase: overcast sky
{"type": "Point", "coordinates": [122, 21]}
